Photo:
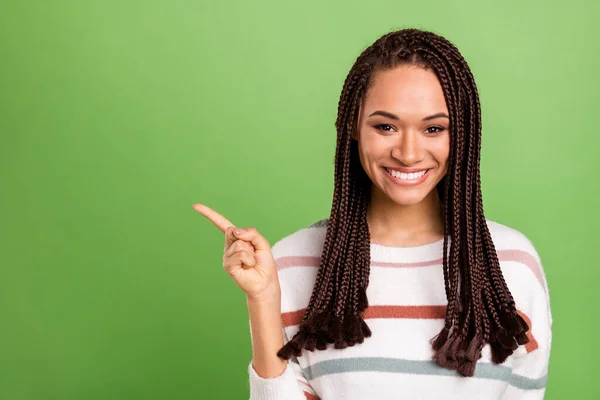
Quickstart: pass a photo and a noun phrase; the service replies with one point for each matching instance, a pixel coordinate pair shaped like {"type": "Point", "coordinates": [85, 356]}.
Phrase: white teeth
{"type": "Point", "coordinates": [402, 175]}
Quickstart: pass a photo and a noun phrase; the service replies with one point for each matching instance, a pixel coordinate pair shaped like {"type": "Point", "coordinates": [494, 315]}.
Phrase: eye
{"type": "Point", "coordinates": [437, 129]}
{"type": "Point", "coordinates": [383, 127]}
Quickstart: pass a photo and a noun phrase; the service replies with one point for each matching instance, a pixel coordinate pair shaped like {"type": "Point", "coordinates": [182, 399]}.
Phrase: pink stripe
{"type": "Point", "coordinates": [297, 261]}
{"type": "Point", "coordinates": [519, 256]}
{"type": "Point", "coordinates": [525, 258]}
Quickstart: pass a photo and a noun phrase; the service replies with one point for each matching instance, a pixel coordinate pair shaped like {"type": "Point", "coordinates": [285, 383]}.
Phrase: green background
{"type": "Point", "coordinates": [117, 116]}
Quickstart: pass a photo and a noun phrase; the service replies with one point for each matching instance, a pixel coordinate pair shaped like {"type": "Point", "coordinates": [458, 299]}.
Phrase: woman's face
{"type": "Point", "coordinates": [404, 126]}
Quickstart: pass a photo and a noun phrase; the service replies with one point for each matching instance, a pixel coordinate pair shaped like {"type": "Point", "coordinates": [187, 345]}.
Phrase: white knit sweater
{"type": "Point", "coordinates": [406, 309]}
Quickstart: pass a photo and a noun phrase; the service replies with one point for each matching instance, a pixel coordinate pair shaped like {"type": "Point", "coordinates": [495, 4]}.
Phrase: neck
{"type": "Point", "coordinates": [392, 224]}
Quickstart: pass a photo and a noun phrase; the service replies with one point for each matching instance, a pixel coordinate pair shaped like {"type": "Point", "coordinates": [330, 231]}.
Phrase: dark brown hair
{"type": "Point", "coordinates": [480, 306]}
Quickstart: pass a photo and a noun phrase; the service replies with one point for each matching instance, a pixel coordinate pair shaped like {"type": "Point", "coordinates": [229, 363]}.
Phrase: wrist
{"type": "Point", "coordinates": [270, 296]}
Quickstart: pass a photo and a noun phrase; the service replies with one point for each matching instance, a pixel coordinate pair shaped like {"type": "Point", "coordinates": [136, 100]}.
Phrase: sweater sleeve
{"type": "Point", "coordinates": [530, 371]}
{"type": "Point", "coordinates": [290, 385]}
{"type": "Point", "coordinates": [530, 374]}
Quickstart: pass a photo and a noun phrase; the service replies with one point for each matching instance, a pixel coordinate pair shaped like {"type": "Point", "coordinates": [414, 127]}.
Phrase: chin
{"type": "Point", "coordinates": [407, 196]}
{"type": "Point", "coordinates": [407, 200]}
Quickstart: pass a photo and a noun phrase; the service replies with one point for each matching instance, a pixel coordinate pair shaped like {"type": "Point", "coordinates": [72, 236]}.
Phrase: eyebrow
{"type": "Point", "coordinates": [393, 116]}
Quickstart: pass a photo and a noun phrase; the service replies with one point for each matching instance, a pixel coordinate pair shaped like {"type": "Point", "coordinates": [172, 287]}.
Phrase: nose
{"type": "Point", "coordinates": [409, 150]}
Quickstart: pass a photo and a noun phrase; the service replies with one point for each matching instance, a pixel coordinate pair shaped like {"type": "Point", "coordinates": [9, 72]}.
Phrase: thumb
{"type": "Point", "coordinates": [251, 235]}
{"type": "Point", "coordinates": [230, 236]}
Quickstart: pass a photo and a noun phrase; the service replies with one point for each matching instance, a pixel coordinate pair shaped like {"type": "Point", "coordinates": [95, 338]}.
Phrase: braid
{"type": "Point", "coordinates": [480, 309]}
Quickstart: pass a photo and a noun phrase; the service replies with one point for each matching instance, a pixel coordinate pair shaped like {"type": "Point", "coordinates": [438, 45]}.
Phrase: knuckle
{"type": "Point", "coordinates": [231, 261]}
{"type": "Point", "coordinates": [248, 259]}
{"type": "Point", "coordinates": [244, 254]}
{"type": "Point", "coordinates": [241, 245]}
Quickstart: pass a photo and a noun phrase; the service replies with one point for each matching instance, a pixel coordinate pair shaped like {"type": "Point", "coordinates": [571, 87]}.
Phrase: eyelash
{"type": "Point", "coordinates": [437, 127]}
{"type": "Point", "coordinates": [440, 129]}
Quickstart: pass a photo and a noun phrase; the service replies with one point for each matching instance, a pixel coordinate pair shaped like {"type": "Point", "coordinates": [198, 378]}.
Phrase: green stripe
{"type": "Point", "coordinates": [429, 367]}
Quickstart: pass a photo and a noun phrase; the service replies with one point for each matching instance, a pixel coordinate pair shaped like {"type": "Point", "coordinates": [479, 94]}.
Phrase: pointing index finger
{"type": "Point", "coordinates": [217, 219]}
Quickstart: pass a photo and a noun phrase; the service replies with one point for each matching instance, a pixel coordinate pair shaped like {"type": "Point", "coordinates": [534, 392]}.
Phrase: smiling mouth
{"type": "Point", "coordinates": [413, 176]}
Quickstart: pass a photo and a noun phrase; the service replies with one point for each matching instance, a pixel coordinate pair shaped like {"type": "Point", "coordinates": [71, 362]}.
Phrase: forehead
{"type": "Point", "coordinates": [407, 89]}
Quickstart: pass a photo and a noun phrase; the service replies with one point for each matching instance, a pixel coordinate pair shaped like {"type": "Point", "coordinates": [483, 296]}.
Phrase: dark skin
{"type": "Point", "coordinates": [404, 215]}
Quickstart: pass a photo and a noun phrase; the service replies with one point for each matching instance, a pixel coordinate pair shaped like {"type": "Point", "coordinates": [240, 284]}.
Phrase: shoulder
{"type": "Point", "coordinates": [307, 241]}
{"type": "Point", "coordinates": [507, 238]}
{"type": "Point", "coordinates": [514, 247]}
{"type": "Point", "coordinates": [516, 253]}
{"type": "Point", "coordinates": [297, 258]}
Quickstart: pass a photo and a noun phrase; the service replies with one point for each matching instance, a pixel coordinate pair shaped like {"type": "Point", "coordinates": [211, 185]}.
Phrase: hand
{"type": "Point", "coordinates": [247, 258]}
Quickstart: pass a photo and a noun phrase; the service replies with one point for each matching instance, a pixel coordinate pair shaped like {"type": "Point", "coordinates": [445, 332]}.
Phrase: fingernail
{"type": "Point", "coordinates": [239, 231]}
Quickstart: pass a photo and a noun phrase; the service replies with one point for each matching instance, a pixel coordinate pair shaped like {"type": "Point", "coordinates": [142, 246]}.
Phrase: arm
{"type": "Point", "coordinates": [248, 259]}
{"type": "Point", "coordinates": [301, 379]}
{"type": "Point", "coordinates": [530, 374]}
{"type": "Point", "coordinates": [530, 371]}
{"type": "Point", "coordinates": [271, 378]}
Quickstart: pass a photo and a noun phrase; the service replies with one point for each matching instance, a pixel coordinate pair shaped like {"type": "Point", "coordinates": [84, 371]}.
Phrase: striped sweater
{"type": "Point", "coordinates": [406, 309]}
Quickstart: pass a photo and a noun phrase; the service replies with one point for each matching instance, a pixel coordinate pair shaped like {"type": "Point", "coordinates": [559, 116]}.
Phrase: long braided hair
{"type": "Point", "coordinates": [480, 307]}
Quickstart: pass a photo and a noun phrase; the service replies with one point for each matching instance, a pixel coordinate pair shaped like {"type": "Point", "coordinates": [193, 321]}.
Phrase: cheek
{"type": "Point", "coordinates": [371, 146]}
{"type": "Point", "coordinates": [441, 151]}
{"type": "Point", "coordinates": [369, 154]}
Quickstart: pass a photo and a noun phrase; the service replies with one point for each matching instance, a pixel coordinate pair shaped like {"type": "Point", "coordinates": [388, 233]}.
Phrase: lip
{"type": "Point", "coordinates": [407, 170]}
{"type": "Point", "coordinates": [412, 182]}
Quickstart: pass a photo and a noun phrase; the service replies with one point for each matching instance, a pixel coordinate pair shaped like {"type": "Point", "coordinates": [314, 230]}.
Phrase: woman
{"type": "Point", "coordinates": [457, 305]}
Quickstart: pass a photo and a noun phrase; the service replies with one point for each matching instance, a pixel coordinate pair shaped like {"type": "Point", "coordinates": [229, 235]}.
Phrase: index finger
{"type": "Point", "coordinates": [217, 219]}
